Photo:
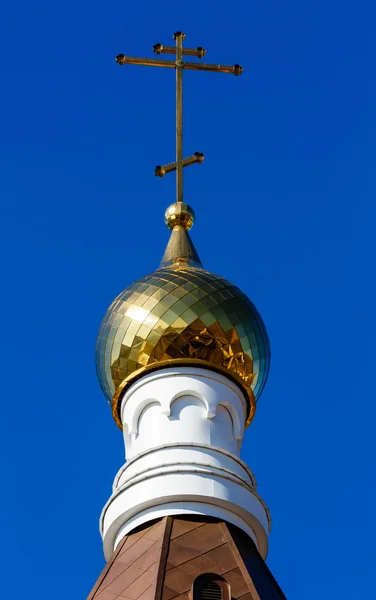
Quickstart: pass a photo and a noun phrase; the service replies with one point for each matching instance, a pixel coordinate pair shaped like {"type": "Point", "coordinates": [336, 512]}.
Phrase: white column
{"type": "Point", "coordinates": [183, 429]}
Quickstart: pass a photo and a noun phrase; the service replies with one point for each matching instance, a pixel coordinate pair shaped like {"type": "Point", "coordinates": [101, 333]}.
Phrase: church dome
{"type": "Point", "coordinates": [182, 314]}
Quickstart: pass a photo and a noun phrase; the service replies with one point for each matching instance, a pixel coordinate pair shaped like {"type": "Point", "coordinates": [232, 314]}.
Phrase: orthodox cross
{"type": "Point", "coordinates": [179, 65]}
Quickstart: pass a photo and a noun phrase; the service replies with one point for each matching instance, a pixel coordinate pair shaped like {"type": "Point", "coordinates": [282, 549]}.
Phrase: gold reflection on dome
{"type": "Point", "coordinates": [182, 314]}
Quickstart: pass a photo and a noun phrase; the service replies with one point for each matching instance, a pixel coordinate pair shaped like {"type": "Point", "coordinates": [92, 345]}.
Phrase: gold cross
{"type": "Point", "coordinates": [179, 64]}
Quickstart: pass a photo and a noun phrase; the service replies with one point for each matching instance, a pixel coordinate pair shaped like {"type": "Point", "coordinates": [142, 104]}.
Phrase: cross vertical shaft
{"type": "Point", "coordinates": [179, 116]}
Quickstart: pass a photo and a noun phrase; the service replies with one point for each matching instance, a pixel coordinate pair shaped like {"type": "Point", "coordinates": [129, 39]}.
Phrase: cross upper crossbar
{"type": "Point", "coordinates": [121, 59]}
{"type": "Point", "coordinates": [179, 64]}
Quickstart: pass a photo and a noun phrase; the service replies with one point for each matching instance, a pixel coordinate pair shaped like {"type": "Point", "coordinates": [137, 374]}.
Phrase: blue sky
{"type": "Point", "coordinates": [285, 209]}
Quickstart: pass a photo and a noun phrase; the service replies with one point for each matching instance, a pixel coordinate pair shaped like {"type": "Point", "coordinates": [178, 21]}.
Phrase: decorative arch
{"type": "Point", "coordinates": [193, 394]}
{"type": "Point", "coordinates": [137, 414]}
{"type": "Point", "coordinates": [210, 586]}
{"type": "Point", "coordinates": [238, 427]}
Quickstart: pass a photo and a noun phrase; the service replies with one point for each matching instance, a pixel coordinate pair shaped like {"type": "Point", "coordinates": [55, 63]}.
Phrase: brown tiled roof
{"type": "Point", "coordinates": [161, 560]}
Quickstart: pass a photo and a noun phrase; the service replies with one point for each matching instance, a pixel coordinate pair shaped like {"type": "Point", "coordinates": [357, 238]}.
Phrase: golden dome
{"type": "Point", "coordinates": [182, 314]}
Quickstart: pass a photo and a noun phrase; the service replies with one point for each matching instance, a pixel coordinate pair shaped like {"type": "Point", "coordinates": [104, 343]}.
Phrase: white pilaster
{"type": "Point", "coordinates": [183, 429]}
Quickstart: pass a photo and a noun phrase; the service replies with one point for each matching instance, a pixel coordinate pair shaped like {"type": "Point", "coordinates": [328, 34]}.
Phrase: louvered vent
{"type": "Point", "coordinates": [210, 591]}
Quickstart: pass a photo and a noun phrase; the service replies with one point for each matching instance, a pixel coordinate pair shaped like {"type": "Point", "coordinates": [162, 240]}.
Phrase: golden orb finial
{"type": "Point", "coordinates": [180, 214]}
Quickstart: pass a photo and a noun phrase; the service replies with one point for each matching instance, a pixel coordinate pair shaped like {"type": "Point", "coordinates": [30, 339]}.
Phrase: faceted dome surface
{"type": "Point", "coordinates": [182, 313]}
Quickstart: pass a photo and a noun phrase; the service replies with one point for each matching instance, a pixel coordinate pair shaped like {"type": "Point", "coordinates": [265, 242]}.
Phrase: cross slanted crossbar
{"type": "Point", "coordinates": [179, 64]}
